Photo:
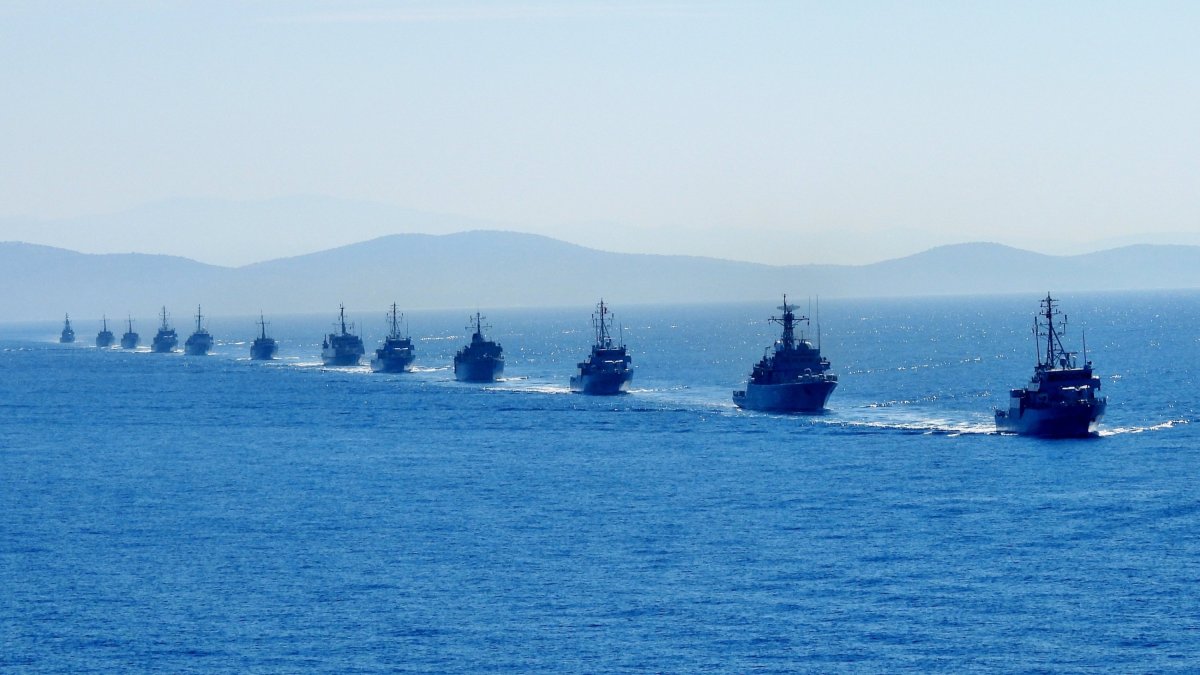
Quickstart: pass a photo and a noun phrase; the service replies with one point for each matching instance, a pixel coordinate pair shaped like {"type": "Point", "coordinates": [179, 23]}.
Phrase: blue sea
{"type": "Point", "coordinates": [173, 513]}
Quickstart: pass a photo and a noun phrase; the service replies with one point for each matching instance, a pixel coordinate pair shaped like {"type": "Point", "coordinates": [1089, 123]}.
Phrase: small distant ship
{"type": "Point", "coordinates": [480, 361]}
{"type": "Point", "coordinates": [396, 354]}
{"type": "Point", "coordinates": [165, 339]}
{"type": "Point", "coordinates": [608, 368]}
{"type": "Point", "coordinates": [130, 339]}
{"type": "Point", "coordinates": [792, 376]}
{"type": "Point", "coordinates": [1060, 400]}
{"type": "Point", "coordinates": [105, 338]}
{"type": "Point", "coordinates": [200, 342]}
{"type": "Point", "coordinates": [342, 349]}
{"type": "Point", "coordinates": [68, 333]}
{"type": "Point", "coordinates": [263, 348]}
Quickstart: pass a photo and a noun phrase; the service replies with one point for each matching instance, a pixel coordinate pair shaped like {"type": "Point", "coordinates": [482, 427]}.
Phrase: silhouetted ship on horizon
{"type": "Point", "coordinates": [344, 348]}
{"type": "Point", "coordinates": [68, 334]}
{"type": "Point", "coordinates": [1060, 400]}
{"type": "Point", "coordinates": [481, 360]}
{"type": "Point", "coordinates": [105, 338]}
{"type": "Point", "coordinates": [263, 348]}
{"type": "Point", "coordinates": [200, 342]}
{"type": "Point", "coordinates": [792, 376]}
{"type": "Point", "coordinates": [130, 339]}
{"type": "Point", "coordinates": [396, 354]}
{"type": "Point", "coordinates": [608, 369]}
{"type": "Point", "coordinates": [165, 339]}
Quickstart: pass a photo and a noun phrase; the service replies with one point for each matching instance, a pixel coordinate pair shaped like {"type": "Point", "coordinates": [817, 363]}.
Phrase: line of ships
{"type": "Point", "coordinates": [1060, 399]}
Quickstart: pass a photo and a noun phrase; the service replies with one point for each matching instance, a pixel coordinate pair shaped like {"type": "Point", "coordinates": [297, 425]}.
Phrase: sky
{"type": "Point", "coordinates": [776, 132]}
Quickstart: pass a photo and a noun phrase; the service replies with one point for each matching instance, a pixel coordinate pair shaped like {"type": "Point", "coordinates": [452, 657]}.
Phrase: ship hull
{"type": "Point", "coordinates": [602, 384]}
{"type": "Point", "coordinates": [392, 363]}
{"type": "Point", "coordinates": [791, 397]}
{"type": "Point", "coordinates": [478, 370]}
{"type": "Point", "coordinates": [66, 339]}
{"type": "Point", "coordinates": [197, 346]}
{"type": "Point", "coordinates": [129, 341]}
{"type": "Point", "coordinates": [335, 358]}
{"type": "Point", "coordinates": [1075, 421]}
{"type": "Point", "coordinates": [105, 340]}
{"type": "Point", "coordinates": [263, 351]}
{"type": "Point", "coordinates": [163, 346]}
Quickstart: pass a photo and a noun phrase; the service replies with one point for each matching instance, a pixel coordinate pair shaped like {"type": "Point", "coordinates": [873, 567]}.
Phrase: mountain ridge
{"type": "Point", "coordinates": [493, 268]}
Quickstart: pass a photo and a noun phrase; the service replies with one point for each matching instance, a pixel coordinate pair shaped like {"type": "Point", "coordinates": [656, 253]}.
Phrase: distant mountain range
{"type": "Point", "coordinates": [482, 269]}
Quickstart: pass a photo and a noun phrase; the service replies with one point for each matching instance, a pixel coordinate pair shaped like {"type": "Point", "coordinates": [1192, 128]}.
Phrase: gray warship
{"type": "Point", "coordinates": [480, 361]}
{"type": "Point", "coordinates": [130, 339]}
{"type": "Point", "coordinates": [105, 338]}
{"type": "Point", "coordinates": [792, 376]}
{"type": "Point", "coordinates": [165, 339]}
{"type": "Point", "coordinates": [344, 348]}
{"type": "Point", "coordinates": [1060, 400]}
{"type": "Point", "coordinates": [396, 354]}
{"type": "Point", "coordinates": [608, 368]}
{"type": "Point", "coordinates": [200, 342]}
{"type": "Point", "coordinates": [263, 348]}
{"type": "Point", "coordinates": [68, 334]}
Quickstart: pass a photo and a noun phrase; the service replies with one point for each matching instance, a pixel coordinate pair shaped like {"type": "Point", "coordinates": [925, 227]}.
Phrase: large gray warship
{"type": "Point", "coordinates": [792, 376]}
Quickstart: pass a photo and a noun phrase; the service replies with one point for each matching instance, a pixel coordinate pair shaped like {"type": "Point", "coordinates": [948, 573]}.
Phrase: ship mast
{"type": "Point", "coordinates": [342, 316]}
{"type": "Point", "coordinates": [478, 335]}
{"type": "Point", "coordinates": [164, 317]}
{"type": "Point", "coordinates": [1054, 348]}
{"type": "Point", "coordinates": [788, 321]}
{"type": "Point", "coordinates": [197, 318]}
{"type": "Point", "coordinates": [601, 322]}
{"type": "Point", "coordinates": [262, 324]}
{"type": "Point", "coordinates": [395, 322]}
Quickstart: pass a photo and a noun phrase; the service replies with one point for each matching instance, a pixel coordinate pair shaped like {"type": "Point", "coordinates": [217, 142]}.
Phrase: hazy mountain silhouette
{"type": "Point", "coordinates": [503, 269]}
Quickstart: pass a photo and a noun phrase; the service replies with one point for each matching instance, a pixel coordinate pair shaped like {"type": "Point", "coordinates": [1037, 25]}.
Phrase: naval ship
{"type": "Point", "coordinates": [263, 348]}
{"type": "Point", "coordinates": [200, 342]}
{"type": "Point", "coordinates": [396, 355]}
{"type": "Point", "coordinates": [792, 375]}
{"type": "Point", "coordinates": [165, 339]}
{"type": "Point", "coordinates": [130, 339]}
{"type": "Point", "coordinates": [480, 361]}
{"type": "Point", "coordinates": [1060, 400]}
{"type": "Point", "coordinates": [607, 369]}
{"type": "Point", "coordinates": [105, 338]}
{"type": "Point", "coordinates": [342, 349]}
{"type": "Point", "coordinates": [68, 333]}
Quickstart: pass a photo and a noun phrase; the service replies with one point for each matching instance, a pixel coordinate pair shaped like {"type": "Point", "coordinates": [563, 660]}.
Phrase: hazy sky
{"type": "Point", "coordinates": [779, 132]}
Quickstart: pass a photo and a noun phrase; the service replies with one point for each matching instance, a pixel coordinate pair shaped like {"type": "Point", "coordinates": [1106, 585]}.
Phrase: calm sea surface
{"type": "Point", "coordinates": [172, 513]}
